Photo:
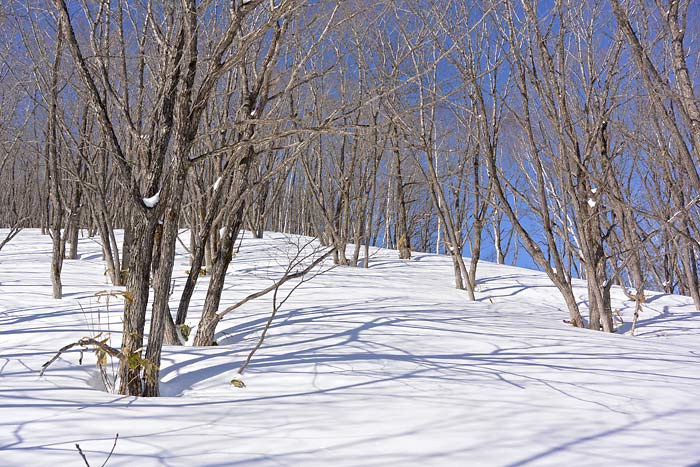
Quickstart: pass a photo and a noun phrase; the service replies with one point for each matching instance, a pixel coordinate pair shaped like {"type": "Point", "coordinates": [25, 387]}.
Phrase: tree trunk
{"type": "Point", "coordinates": [163, 261]}
{"type": "Point", "coordinates": [402, 234]}
{"type": "Point", "coordinates": [52, 168]}
{"type": "Point", "coordinates": [110, 256]}
{"type": "Point", "coordinates": [690, 271]}
{"type": "Point", "coordinates": [207, 324]}
{"type": "Point", "coordinates": [141, 244]}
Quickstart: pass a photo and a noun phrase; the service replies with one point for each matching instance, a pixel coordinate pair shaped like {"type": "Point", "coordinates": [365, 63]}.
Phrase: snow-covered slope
{"type": "Point", "coordinates": [386, 366]}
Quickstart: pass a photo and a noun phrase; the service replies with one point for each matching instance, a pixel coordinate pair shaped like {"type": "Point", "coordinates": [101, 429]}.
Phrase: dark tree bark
{"type": "Point", "coordinates": [56, 203]}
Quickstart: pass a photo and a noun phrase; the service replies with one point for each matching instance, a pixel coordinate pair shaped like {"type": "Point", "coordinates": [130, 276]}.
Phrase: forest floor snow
{"type": "Point", "coordinates": [385, 366]}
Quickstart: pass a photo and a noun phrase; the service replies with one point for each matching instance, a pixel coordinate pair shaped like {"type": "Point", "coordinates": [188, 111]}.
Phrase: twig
{"type": "Point", "coordinates": [14, 230]}
{"type": "Point", "coordinates": [82, 455]}
{"type": "Point", "coordinates": [116, 438]}
{"type": "Point", "coordinates": [278, 284]}
{"type": "Point", "coordinates": [84, 342]}
{"type": "Point", "coordinates": [182, 243]}
{"type": "Point", "coordinates": [275, 308]}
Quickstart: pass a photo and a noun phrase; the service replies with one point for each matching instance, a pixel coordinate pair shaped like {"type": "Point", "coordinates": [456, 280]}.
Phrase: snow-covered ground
{"type": "Point", "coordinates": [386, 366]}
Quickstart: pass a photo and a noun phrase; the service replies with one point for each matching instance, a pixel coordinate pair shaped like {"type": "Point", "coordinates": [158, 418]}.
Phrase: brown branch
{"type": "Point", "coordinates": [84, 342]}
{"type": "Point", "coordinates": [14, 231]}
{"type": "Point", "coordinates": [278, 284]}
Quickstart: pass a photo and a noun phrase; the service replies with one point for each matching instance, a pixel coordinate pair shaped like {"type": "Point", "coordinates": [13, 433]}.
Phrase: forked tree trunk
{"type": "Point", "coordinates": [339, 256]}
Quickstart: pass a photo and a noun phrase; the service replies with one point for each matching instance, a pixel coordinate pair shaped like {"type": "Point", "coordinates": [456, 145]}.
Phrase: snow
{"type": "Point", "coordinates": [386, 366]}
{"type": "Point", "coordinates": [591, 202]}
{"type": "Point", "coordinates": [152, 201]}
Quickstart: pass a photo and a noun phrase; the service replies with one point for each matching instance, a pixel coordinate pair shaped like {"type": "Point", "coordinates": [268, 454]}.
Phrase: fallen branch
{"type": "Point", "coordinates": [84, 342]}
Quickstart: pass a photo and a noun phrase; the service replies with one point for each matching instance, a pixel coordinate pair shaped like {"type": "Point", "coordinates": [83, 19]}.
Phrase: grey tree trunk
{"type": "Point", "coordinates": [111, 256]}
{"type": "Point", "coordinates": [207, 324]}
{"type": "Point", "coordinates": [690, 270]}
{"type": "Point", "coordinates": [54, 176]}
{"type": "Point", "coordinates": [163, 262]}
{"type": "Point", "coordinates": [402, 233]}
{"type": "Point", "coordinates": [141, 237]}
{"type": "Point", "coordinates": [73, 227]}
